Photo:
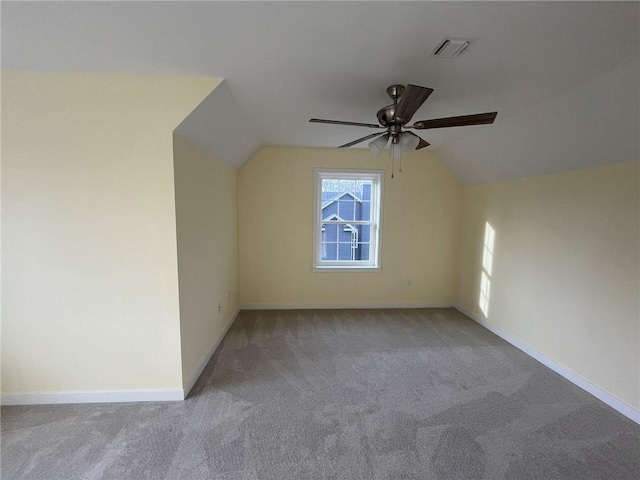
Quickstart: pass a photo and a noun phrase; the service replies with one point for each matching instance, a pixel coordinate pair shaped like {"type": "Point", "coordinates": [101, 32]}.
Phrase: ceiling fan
{"type": "Point", "coordinates": [394, 118]}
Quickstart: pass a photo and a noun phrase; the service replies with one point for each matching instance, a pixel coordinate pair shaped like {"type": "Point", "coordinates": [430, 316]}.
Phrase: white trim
{"type": "Point", "coordinates": [340, 221]}
{"type": "Point", "coordinates": [335, 306]}
{"type": "Point", "coordinates": [203, 363]}
{"type": "Point", "coordinates": [602, 395]}
{"type": "Point", "coordinates": [96, 396]}
{"type": "Point", "coordinates": [345, 268]}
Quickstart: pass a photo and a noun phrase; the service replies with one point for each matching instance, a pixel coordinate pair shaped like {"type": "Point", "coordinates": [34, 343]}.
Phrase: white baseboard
{"type": "Point", "coordinates": [336, 306]}
{"type": "Point", "coordinates": [203, 363]}
{"type": "Point", "coordinates": [115, 396]}
{"type": "Point", "coordinates": [602, 395]}
{"type": "Point", "coordinates": [97, 396]}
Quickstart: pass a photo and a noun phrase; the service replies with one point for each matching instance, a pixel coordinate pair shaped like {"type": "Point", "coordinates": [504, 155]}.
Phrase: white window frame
{"type": "Point", "coordinates": [373, 264]}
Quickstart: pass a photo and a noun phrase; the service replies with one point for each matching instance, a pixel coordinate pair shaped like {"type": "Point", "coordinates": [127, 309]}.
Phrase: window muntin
{"type": "Point", "coordinates": [347, 219]}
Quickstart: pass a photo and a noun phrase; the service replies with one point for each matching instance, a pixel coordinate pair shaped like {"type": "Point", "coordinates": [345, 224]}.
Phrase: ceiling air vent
{"type": "Point", "coordinates": [450, 47]}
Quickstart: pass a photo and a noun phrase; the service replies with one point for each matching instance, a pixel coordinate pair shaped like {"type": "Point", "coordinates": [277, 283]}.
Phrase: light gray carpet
{"type": "Point", "coordinates": [343, 394]}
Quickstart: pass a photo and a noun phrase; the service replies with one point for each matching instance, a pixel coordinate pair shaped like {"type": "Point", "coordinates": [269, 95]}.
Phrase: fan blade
{"type": "Point", "coordinates": [422, 144]}
{"type": "Point", "coordinates": [377, 134]}
{"type": "Point", "coordinates": [464, 120]}
{"type": "Point", "coordinates": [339, 122]}
{"type": "Point", "coordinates": [410, 101]}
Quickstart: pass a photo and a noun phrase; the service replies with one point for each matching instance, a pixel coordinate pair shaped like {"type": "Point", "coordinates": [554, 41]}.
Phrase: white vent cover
{"type": "Point", "coordinates": [450, 47]}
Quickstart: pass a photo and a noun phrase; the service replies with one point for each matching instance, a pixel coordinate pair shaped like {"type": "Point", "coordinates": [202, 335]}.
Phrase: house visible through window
{"type": "Point", "coordinates": [347, 224]}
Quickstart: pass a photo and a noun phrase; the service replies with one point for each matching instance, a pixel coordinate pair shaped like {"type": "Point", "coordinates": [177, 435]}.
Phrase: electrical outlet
{"type": "Point", "coordinates": [219, 307]}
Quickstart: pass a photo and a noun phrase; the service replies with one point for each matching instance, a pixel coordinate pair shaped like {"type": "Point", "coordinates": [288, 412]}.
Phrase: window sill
{"type": "Point", "coordinates": [346, 268]}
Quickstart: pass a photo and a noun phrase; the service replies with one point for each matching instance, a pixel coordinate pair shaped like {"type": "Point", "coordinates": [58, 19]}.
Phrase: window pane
{"type": "Point", "coordinates": [365, 211]}
{"type": "Point", "coordinates": [329, 251]}
{"type": "Point", "coordinates": [363, 251]}
{"type": "Point", "coordinates": [333, 187]}
{"type": "Point", "coordinates": [329, 242]}
{"type": "Point", "coordinates": [344, 250]}
{"type": "Point", "coordinates": [330, 233]}
{"type": "Point", "coordinates": [346, 207]}
{"type": "Point", "coordinates": [330, 211]}
{"type": "Point", "coordinates": [365, 233]}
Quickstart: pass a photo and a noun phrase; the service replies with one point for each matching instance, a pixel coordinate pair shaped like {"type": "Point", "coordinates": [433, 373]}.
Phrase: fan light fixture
{"type": "Point", "coordinates": [379, 144]}
{"type": "Point", "coordinates": [409, 141]}
{"type": "Point", "coordinates": [398, 142]}
{"type": "Point", "coordinates": [405, 142]}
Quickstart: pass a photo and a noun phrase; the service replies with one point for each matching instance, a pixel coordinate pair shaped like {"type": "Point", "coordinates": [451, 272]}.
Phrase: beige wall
{"type": "Point", "coordinates": [419, 231]}
{"type": "Point", "coordinates": [565, 276]}
{"type": "Point", "coordinates": [207, 233]}
{"type": "Point", "coordinates": [89, 267]}
{"type": "Point", "coordinates": [90, 290]}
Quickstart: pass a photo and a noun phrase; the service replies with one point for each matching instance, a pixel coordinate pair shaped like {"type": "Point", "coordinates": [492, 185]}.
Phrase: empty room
{"type": "Point", "coordinates": [320, 240]}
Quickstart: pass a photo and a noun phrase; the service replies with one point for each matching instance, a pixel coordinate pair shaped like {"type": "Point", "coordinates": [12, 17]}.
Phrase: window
{"type": "Point", "coordinates": [347, 219]}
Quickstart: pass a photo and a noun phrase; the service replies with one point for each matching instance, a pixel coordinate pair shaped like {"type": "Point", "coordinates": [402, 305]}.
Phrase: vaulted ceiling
{"type": "Point", "coordinates": [564, 76]}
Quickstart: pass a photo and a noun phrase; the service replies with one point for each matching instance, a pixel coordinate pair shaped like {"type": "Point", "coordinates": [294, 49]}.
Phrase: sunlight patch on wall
{"type": "Point", "coordinates": [487, 264]}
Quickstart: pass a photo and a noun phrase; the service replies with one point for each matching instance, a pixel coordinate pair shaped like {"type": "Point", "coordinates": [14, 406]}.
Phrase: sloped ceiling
{"type": "Point", "coordinates": [219, 125]}
{"type": "Point", "coordinates": [564, 76]}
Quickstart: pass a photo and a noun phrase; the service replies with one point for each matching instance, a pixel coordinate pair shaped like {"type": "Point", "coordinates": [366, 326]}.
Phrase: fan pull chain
{"type": "Point", "coordinates": [400, 161]}
{"type": "Point", "coordinates": [393, 165]}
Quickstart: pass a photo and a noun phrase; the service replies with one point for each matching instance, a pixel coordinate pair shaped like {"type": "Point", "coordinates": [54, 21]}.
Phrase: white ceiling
{"type": "Point", "coordinates": [560, 74]}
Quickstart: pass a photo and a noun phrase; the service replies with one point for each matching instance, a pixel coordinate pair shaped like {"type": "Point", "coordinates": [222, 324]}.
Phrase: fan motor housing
{"type": "Point", "coordinates": [385, 115]}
